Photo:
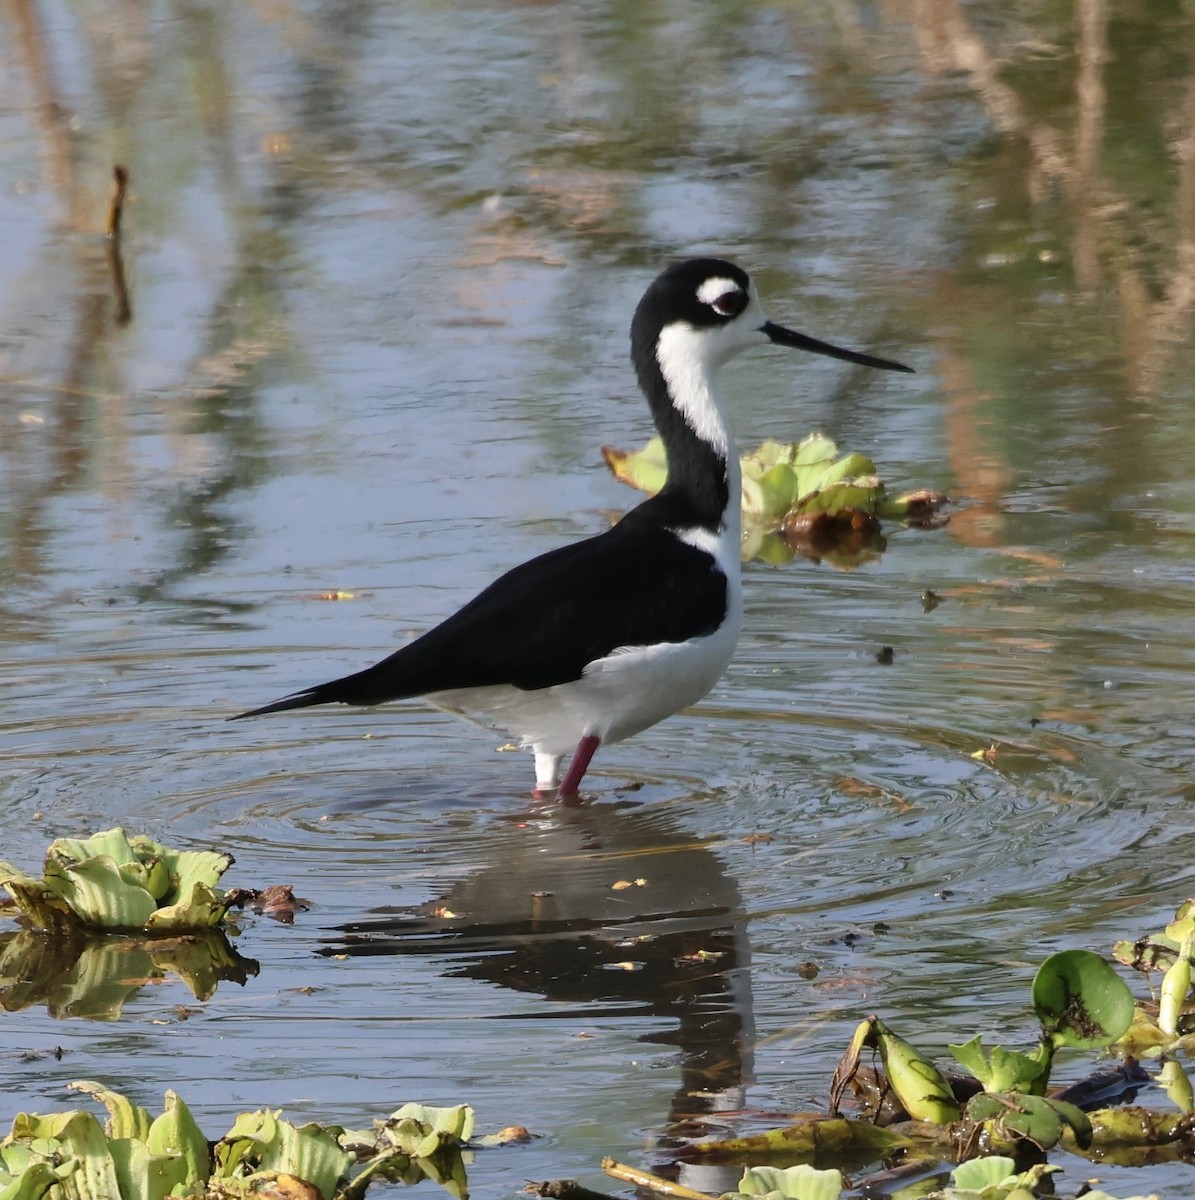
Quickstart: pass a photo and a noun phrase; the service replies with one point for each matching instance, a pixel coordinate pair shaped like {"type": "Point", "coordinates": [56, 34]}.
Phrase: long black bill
{"type": "Point", "coordinates": [790, 337]}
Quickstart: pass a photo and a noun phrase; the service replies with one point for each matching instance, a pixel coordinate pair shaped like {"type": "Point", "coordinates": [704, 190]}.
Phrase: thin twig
{"type": "Point", "coordinates": [120, 288]}
{"type": "Point", "coordinates": [653, 1183]}
{"type": "Point", "coordinates": [120, 186]}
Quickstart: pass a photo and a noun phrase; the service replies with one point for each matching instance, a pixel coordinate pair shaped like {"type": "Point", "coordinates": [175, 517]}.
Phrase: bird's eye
{"type": "Point", "coordinates": [730, 304]}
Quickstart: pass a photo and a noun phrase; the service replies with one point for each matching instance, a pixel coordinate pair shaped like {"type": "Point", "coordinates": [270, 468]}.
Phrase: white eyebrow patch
{"type": "Point", "coordinates": [712, 288]}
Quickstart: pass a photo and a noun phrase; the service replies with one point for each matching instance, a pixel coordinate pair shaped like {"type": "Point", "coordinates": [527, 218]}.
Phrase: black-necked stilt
{"type": "Point", "coordinates": [594, 642]}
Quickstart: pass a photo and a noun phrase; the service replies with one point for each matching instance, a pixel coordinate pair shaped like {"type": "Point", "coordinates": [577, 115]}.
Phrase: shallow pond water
{"type": "Point", "coordinates": [381, 263]}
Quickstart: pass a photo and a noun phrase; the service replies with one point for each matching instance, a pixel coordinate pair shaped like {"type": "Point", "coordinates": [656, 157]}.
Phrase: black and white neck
{"type": "Point", "coordinates": [688, 324]}
{"type": "Point", "coordinates": [692, 320]}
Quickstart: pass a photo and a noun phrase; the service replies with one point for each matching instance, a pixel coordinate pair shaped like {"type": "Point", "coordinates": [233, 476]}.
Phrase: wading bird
{"type": "Point", "coordinates": [595, 641]}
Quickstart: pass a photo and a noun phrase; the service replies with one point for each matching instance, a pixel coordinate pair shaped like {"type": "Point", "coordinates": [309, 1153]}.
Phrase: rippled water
{"type": "Point", "coordinates": [382, 260]}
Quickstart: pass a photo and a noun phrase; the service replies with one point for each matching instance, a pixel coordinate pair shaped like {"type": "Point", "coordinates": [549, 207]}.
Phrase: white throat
{"type": "Point", "coordinates": [689, 360]}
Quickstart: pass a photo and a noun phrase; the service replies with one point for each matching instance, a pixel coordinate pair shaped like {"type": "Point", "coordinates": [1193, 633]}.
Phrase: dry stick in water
{"type": "Point", "coordinates": [120, 186]}
{"type": "Point", "coordinates": [650, 1182]}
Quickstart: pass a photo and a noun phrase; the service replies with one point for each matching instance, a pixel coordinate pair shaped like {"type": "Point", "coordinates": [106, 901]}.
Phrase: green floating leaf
{"type": "Point", "coordinates": [995, 1178]}
{"type": "Point", "coordinates": [1176, 983]}
{"type": "Point", "coordinates": [1176, 1082]}
{"type": "Point", "coordinates": [825, 1136]}
{"type": "Point", "coordinates": [645, 469]}
{"type": "Point", "coordinates": [1183, 925]}
{"type": "Point", "coordinates": [1001, 1070]}
{"type": "Point", "coordinates": [788, 485]}
{"type": "Point", "coordinates": [979, 1173]}
{"type": "Point", "coordinates": [311, 1153]}
{"type": "Point", "coordinates": [42, 908]}
{"type": "Point", "coordinates": [202, 908]}
{"type": "Point", "coordinates": [70, 1156]}
{"type": "Point", "coordinates": [1080, 1000]}
{"type": "Point", "coordinates": [144, 1175]}
{"type": "Point", "coordinates": [1143, 1038]}
{"type": "Point", "coordinates": [176, 1132]}
{"type": "Point", "coordinates": [125, 1119]}
{"type": "Point", "coordinates": [777, 478]}
{"type": "Point", "coordinates": [98, 893]}
{"type": "Point", "coordinates": [185, 868]}
{"type": "Point", "coordinates": [76, 1135]}
{"type": "Point", "coordinates": [801, 1182]}
{"type": "Point", "coordinates": [34, 1181]}
{"type": "Point", "coordinates": [262, 1143]}
{"type": "Point", "coordinates": [1009, 1116]}
{"type": "Point", "coordinates": [420, 1130]}
{"type": "Point", "coordinates": [1155, 953]}
{"type": "Point", "coordinates": [113, 844]}
{"type": "Point", "coordinates": [1133, 1126]}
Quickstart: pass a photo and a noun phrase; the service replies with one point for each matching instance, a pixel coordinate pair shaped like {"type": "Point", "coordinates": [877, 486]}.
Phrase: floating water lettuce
{"type": "Point", "coordinates": [135, 1156]}
{"type": "Point", "coordinates": [790, 492]}
{"type": "Point", "coordinates": [908, 1105]}
{"type": "Point", "coordinates": [1080, 1001]}
{"type": "Point", "coordinates": [995, 1177]}
{"type": "Point", "coordinates": [801, 1182]}
{"type": "Point", "coordinates": [114, 882]}
{"type": "Point", "coordinates": [262, 1146]}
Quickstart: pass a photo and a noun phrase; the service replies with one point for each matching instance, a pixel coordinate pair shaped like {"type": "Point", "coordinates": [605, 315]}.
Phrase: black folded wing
{"type": "Point", "coordinates": [543, 622]}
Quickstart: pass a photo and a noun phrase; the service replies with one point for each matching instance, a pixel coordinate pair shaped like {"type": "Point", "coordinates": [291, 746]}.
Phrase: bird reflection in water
{"type": "Point", "coordinates": [609, 909]}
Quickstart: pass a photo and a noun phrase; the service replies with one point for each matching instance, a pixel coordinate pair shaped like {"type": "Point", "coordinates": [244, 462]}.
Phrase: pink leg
{"type": "Point", "coordinates": [576, 769]}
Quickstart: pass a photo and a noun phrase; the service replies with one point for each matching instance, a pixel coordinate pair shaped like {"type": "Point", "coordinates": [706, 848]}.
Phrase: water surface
{"type": "Point", "coordinates": [381, 261]}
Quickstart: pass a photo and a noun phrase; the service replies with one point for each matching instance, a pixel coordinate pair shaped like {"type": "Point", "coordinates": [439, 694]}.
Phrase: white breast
{"type": "Point", "coordinates": [630, 689]}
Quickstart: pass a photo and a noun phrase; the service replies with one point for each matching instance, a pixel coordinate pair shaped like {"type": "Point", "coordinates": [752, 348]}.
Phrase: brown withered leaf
{"type": "Point", "coordinates": [844, 538]}
{"type": "Point", "coordinates": [287, 1187]}
{"type": "Point", "coordinates": [923, 508]}
{"type": "Point", "coordinates": [279, 902]}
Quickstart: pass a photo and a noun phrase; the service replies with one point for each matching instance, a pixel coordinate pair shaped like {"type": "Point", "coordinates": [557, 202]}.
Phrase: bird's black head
{"type": "Point", "coordinates": [716, 302]}
{"type": "Point", "coordinates": [708, 302]}
{"type": "Point", "coordinates": [701, 292]}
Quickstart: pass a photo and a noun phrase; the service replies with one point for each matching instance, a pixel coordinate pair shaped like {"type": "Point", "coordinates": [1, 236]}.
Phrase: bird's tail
{"type": "Point", "coordinates": [375, 685]}
{"type": "Point", "coordinates": [324, 693]}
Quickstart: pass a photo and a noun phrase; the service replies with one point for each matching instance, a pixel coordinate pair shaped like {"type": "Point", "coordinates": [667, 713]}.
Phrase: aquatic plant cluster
{"type": "Point", "coordinates": [801, 498]}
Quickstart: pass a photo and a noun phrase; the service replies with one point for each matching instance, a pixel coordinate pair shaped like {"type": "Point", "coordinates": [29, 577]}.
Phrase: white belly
{"type": "Point", "coordinates": [617, 697]}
